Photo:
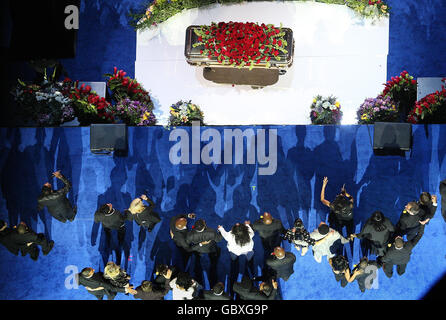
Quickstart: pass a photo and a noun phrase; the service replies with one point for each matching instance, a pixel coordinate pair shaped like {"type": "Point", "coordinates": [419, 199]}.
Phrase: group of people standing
{"type": "Point", "coordinates": [378, 237]}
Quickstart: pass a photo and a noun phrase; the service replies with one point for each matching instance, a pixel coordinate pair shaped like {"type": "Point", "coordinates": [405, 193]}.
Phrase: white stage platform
{"type": "Point", "coordinates": [336, 52]}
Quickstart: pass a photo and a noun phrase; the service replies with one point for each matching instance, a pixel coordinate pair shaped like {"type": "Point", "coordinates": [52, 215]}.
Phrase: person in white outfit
{"type": "Point", "coordinates": [325, 237]}
{"type": "Point", "coordinates": [183, 287]}
{"type": "Point", "coordinates": [240, 242]}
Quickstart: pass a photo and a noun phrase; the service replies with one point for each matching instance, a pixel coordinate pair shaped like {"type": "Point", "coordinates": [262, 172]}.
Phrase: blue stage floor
{"type": "Point", "coordinates": [221, 194]}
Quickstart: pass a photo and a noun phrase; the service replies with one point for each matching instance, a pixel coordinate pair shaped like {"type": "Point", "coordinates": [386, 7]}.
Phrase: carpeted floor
{"type": "Point", "coordinates": [221, 194]}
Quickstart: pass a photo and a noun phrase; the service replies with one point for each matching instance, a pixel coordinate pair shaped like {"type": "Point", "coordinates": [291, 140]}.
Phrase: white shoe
{"type": "Point", "coordinates": [318, 260]}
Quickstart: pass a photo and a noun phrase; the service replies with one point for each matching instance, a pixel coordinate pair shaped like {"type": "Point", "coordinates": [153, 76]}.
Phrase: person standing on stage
{"type": "Point", "coordinates": [56, 201]}
{"type": "Point", "coordinates": [97, 285]}
{"type": "Point", "coordinates": [161, 272]}
{"type": "Point", "coordinates": [341, 270]}
{"type": "Point", "coordinates": [326, 239]}
{"type": "Point", "coordinates": [301, 237]}
{"type": "Point", "coordinates": [428, 205]}
{"type": "Point", "coordinates": [27, 241]}
{"type": "Point", "coordinates": [147, 291]}
{"type": "Point", "coordinates": [247, 291]}
{"type": "Point", "coordinates": [376, 233]}
{"type": "Point", "coordinates": [399, 254]}
{"type": "Point", "coordinates": [269, 230]}
{"type": "Point", "coordinates": [410, 221]}
{"type": "Point", "coordinates": [281, 263]}
{"type": "Point", "coordinates": [6, 238]}
{"type": "Point", "coordinates": [366, 277]}
{"type": "Point", "coordinates": [217, 293]}
{"type": "Point", "coordinates": [111, 219]}
{"type": "Point", "coordinates": [341, 210]}
{"type": "Point", "coordinates": [143, 215]}
{"type": "Point", "coordinates": [178, 233]}
{"type": "Point", "coordinates": [240, 242]}
{"type": "Point", "coordinates": [203, 240]}
{"type": "Point", "coordinates": [183, 287]}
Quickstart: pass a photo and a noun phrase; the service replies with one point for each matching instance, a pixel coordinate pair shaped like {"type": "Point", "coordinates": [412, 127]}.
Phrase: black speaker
{"type": "Point", "coordinates": [108, 138]}
{"type": "Point", "coordinates": [392, 136]}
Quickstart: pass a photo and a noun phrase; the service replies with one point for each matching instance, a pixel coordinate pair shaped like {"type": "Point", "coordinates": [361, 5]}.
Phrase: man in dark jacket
{"type": "Point", "coordinates": [178, 233]}
{"type": "Point", "coordinates": [144, 216]}
{"type": "Point", "coordinates": [399, 254]}
{"type": "Point", "coordinates": [6, 238]}
{"type": "Point", "coordinates": [427, 203]}
{"type": "Point", "coordinates": [27, 241]}
{"type": "Point", "coordinates": [247, 291]}
{"type": "Point", "coordinates": [217, 293]}
{"type": "Point", "coordinates": [443, 199]}
{"type": "Point", "coordinates": [410, 221]}
{"type": "Point", "coordinates": [147, 291]}
{"type": "Point", "coordinates": [369, 274]}
{"type": "Point", "coordinates": [111, 219]}
{"type": "Point", "coordinates": [281, 263]}
{"type": "Point", "coordinates": [96, 285]}
{"type": "Point", "coordinates": [161, 272]}
{"type": "Point", "coordinates": [269, 230]}
{"type": "Point", "coordinates": [56, 201]}
{"type": "Point", "coordinates": [203, 240]}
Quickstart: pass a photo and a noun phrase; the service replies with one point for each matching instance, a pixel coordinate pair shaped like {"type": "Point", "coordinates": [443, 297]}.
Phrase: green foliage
{"type": "Point", "coordinates": [161, 10]}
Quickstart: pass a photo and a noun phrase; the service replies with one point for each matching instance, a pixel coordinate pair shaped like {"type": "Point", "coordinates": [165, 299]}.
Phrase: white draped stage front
{"type": "Point", "coordinates": [336, 53]}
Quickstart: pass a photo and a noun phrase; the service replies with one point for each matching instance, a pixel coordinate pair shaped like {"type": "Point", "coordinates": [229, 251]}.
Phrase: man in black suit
{"type": "Point", "coordinates": [410, 221]}
{"type": "Point", "coordinates": [428, 205]}
{"type": "Point", "coordinates": [369, 273]}
{"type": "Point", "coordinates": [178, 233]}
{"type": "Point", "coordinates": [281, 263]}
{"type": "Point", "coordinates": [56, 201]}
{"type": "Point", "coordinates": [27, 241]}
{"type": "Point", "coordinates": [111, 219]}
{"type": "Point", "coordinates": [161, 272]}
{"type": "Point", "coordinates": [399, 254]}
{"type": "Point", "coordinates": [443, 198]}
{"type": "Point", "coordinates": [143, 215]}
{"type": "Point", "coordinates": [147, 291]}
{"type": "Point", "coordinates": [96, 285]}
{"type": "Point", "coordinates": [217, 293]}
{"type": "Point", "coordinates": [247, 291]}
{"type": "Point", "coordinates": [269, 230]}
{"type": "Point", "coordinates": [203, 240]}
{"type": "Point", "coordinates": [6, 238]}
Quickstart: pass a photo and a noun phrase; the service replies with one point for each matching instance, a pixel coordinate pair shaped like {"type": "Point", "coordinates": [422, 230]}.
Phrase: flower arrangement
{"type": "Point", "coordinates": [377, 109]}
{"type": "Point", "coordinates": [184, 113]}
{"type": "Point", "coordinates": [430, 109]}
{"type": "Point", "coordinates": [325, 110]}
{"type": "Point", "coordinates": [43, 104]}
{"type": "Point", "coordinates": [88, 106]}
{"type": "Point", "coordinates": [157, 11]}
{"type": "Point", "coordinates": [124, 87]}
{"type": "Point", "coordinates": [134, 113]}
{"type": "Point", "coordinates": [241, 44]}
{"type": "Point", "coordinates": [403, 90]}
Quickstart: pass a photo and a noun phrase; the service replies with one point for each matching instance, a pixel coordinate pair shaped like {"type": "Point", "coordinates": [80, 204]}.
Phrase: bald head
{"type": "Point", "coordinates": [181, 223]}
{"type": "Point", "coordinates": [399, 243]}
{"type": "Point", "coordinates": [279, 252]}
{"type": "Point", "coordinates": [267, 218]}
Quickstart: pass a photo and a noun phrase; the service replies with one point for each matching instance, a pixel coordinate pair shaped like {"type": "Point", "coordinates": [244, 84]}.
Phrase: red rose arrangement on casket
{"type": "Point", "coordinates": [241, 44]}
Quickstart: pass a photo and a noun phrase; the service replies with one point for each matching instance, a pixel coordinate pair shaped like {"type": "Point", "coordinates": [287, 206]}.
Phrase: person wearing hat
{"type": "Point", "coordinates": [326, 239]}
{"type": "Point", "coordinates": [269, 230]}
{"type": "Point", "coordinates": [399, 254]}
{"type": "Point", "coordinates": [443, 199]}
{"type": "Point", "coordinates": [143, 215]}
{"type": "Point", "coordinates": [410, 221]}
{"type": "Point", "coordinates": [203, 240]}
{"type": "Point", "coordinates": [217, 293]}
{"type": "Point", "coordinates": [341, 270]}
{"type": "Point", "coordinates": [56, 200]}
{"type": "Point", "coordinates": [6, 238]}
{"type": "Point", "coordinates": [247, 291]}
{"type": "Point", "coordinates": [368, 272]}
{"type": "Point", "coordinates": [178, 233]}
{"type": "Point", "coordinates": [281, 263]}
{"type": "Point", "coordinates": [375, 234]}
